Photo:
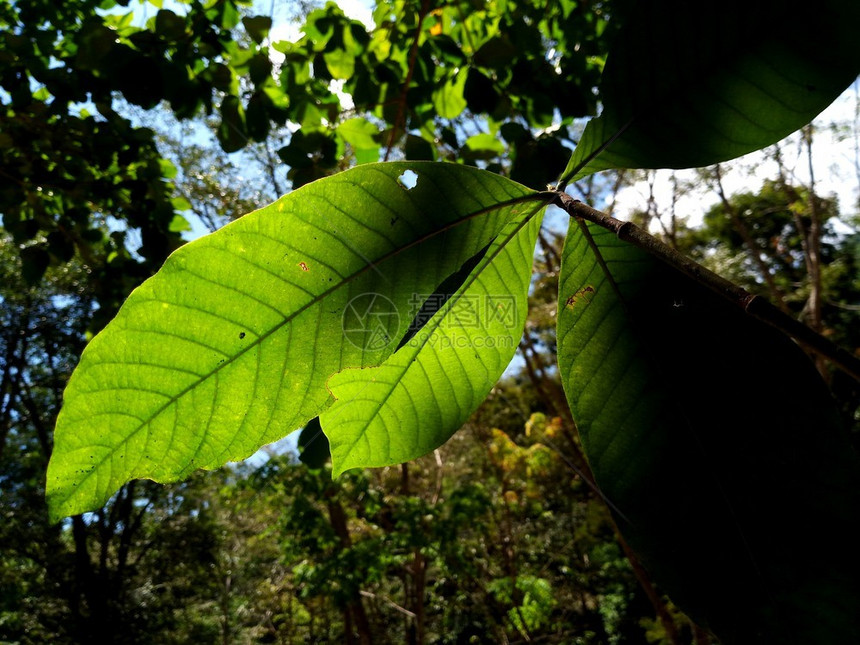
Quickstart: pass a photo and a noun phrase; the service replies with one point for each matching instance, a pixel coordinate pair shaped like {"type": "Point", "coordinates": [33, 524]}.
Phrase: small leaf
{"type": "Point", "coordinates": [313, 445]}
{"type": "Point", "coordinates": [259, 68]}
{"type": "Point", "coordinates": [496, 53]}
{"type": "Point", "coordinates": [340, 63]}
{"type": "Point", "coordinates": [178, 224]}
{"type": "Point", "coordinates": [448, 100]}
{"type": "Point", "coordinates": [485, 142]}
{"type": "Point", "coordinates": [258, 27]}
{"type": "Point", "coordinates": [231, 131]}
{"type": "Point", "coordinates": [35, 261]}
{"type": "Point", "coordinates": [716, 444]}
{"type": "Point", "coordinates": [230, 345]}
{"type": "Point", "coordinates": [359, 133]}
{"type": "Point", "coordinates": [418, 149]}
{"type": "Point", "coordinates": [168, 25]}
{"type": "Point", "coordinates": [691, 84]}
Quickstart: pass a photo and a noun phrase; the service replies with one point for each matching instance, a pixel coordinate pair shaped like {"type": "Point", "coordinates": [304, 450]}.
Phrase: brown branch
{"type": "Point", "coordinates": [387, 601]}
{"type": "Point", "coordinates": [754, 305]}
{"type": "Point", "coordinates": [656, 601]}
{"type": "Point", "coordinates": [400, 118]}
{"type": "Point", "coordinates": [749, 242]}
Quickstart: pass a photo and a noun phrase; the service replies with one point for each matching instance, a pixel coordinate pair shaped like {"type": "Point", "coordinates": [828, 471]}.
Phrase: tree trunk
{"type": "Point", "coordinates": [354, 611]}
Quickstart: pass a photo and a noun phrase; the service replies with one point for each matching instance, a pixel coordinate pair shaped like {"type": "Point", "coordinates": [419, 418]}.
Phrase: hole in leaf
{"type": "Point", "coordinates": [408, 180]}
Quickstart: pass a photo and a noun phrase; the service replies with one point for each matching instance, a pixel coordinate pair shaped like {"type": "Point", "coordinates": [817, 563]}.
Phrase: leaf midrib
{"type": "Point", "coordinates": [436, 321]}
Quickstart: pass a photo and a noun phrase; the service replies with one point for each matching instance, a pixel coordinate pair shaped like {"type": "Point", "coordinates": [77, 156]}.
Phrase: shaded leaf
{"type": "Point", "coordinates": [35, 261]}
{"type": "Point", "coordinates": [257, 27]}
{"type": "Point", "coordinates": [168, 25]}
{"type": "Point", "coordinates": [689, 85]}
{"type": "Point", "coordinates": [418, 148]}
{"type": "Point", "coordinates": [717, 444]}
{"type": "Point", "coordinates": [230, 345]}
{"type": "Point", "coordinates": [231, 131]}
{"type": "Point", "coordinates": [313, 445]}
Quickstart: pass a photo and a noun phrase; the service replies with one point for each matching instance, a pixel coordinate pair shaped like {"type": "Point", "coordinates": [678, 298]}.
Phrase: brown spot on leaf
{"type": "Point", "coordinates": [583, 295]}
{"type": "Point", "coordinates": [303, 266]}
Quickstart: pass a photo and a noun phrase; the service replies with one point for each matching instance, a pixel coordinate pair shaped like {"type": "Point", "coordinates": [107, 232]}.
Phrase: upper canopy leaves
{"type": "Point", "coordinates": [230, 345]}
{"type": "Point", "coordinates": [691, 84]}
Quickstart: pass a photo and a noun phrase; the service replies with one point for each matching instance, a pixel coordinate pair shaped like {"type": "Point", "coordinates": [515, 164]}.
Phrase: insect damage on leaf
{"type": "Point", "coordinates": [583, 295]}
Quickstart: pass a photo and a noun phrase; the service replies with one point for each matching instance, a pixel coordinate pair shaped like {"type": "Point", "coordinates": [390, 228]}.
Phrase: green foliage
{"type": "Point", "coordinates": [331, 305]}
{"type": "Point", "coordinates": [688, 86]}
{"type": "Point", "coordinates": [643, 352]}
{"type": "Point", "coordinates": [536, 601]}
{"type": "Point", "coordinates": [210, 327]}
{"type": "Point", "coordinates": [770, 220]}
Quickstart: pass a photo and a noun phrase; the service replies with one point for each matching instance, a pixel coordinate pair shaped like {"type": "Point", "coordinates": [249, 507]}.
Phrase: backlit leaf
{"type": "Point", "coordinates": [448, 100]}
{"type": "Point", "coordinates": [231, 344]}
{"type": "Point", "coordinates": [425, 391]}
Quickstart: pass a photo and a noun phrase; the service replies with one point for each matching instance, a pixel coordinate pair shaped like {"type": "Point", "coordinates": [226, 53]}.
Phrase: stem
{"type": "Point", "coordinates": [754, 305]}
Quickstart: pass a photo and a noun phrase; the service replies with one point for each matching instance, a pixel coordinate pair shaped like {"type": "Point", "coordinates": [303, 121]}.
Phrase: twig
{"type": "Point", "coordinates": [754, 305]}
{"type": "Point", "coordinates": [400, 118]}
{"type": "Point", "coordinates": [387, 601]}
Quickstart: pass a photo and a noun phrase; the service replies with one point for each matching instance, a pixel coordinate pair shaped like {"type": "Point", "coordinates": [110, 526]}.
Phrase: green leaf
{"type": "Point", "coordinates": [230, 345]}
{"type": "Point", "coordinates": [179, 224]}
{"type": "Point", "coordinates": [231, 132]}
{"type": "Point", "coordinates": [485, 142]}
{"type": "Point", "coordinates": [258, 27]}
{"type": "Point", "coordinates": [448, 100]}
{"type": "Point", "coordinates": [691, 84]}
{"type": "Point", "coordinates": [424, 392]}
{"type": "Point", "coordinates": [366, 155]}
{"type": "Point", "coordinates": [717, 445]}
{"type": "Point", "coordinates": [340, 63]}
{"type": "Point", "coordinates": [359, 133]}
{"type": "Point", "coordinates": [168, 25]}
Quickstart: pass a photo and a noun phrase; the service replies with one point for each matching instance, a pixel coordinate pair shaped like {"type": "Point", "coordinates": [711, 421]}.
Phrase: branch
{"type": "Point", "coordinates": [400, 118]}
{"type": "Point", "coordinates": [749, 242]}
{"type": "Point", "coordinates": [754, 305]}
{"type": "Point", "coordinates": [388, 602]}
